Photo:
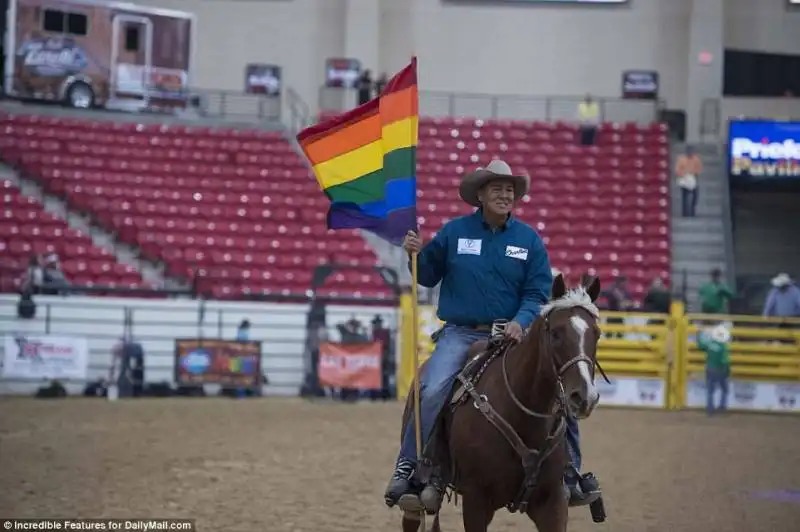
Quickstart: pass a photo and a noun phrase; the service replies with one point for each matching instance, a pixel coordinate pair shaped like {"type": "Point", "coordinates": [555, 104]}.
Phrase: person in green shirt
{"type": "Point", "coordinates": [714, 295]}
{"type": "Point", "coordinates": [718, 366]}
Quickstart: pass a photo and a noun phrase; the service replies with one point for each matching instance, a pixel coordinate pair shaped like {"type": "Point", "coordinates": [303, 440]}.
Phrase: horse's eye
{"type": "Point", "coordinates": [555, 336]}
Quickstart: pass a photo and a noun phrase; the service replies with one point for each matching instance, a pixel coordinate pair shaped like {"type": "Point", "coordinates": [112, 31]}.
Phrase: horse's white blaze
{"type": "Point", "coordinates": [580, 326]}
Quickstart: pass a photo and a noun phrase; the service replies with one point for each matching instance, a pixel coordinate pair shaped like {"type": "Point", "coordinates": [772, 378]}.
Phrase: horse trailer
{"type": "Point", "coordinates": [87, 53]}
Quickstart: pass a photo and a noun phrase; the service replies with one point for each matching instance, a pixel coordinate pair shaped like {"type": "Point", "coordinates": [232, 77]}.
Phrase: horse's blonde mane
{"type": "Point", "coordinates": [575, 297]}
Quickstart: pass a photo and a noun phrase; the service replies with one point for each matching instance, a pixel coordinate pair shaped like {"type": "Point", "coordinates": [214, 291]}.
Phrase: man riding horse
{"type": "Point", "coordinates": [491, 266]}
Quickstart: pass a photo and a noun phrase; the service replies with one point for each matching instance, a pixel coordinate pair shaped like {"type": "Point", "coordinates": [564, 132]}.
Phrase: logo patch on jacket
{"type": "Point", "coordinates": [468, 246]}
{"type": "Point", "coordinates": [516, 253]}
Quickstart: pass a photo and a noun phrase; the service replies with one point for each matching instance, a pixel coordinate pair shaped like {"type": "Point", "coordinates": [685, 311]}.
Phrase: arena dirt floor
{"type": "Point", "coordinates": [286, 465]}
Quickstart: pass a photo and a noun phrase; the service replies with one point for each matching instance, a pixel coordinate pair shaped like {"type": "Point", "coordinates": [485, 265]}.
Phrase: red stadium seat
{"type": "Point", "coordinates": [243, 206]}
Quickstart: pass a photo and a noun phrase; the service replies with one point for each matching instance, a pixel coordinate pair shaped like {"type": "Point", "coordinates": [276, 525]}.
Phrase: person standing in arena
{"type": "Point", "coordinates": [491, 266]}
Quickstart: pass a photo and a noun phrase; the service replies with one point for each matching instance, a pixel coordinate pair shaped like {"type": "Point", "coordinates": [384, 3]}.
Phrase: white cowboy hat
{"type": "Point", "coordinates": [782, 279]}
{"type": "Point", "coordinates": [496, 169]}
{"type": "Point", "coordinates": [720, 334]}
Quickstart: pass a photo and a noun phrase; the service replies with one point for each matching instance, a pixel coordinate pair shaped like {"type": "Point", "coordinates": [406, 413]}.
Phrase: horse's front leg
{"type": "Point", "coordinates": [551, 513]}
{"type": "Point", "coordinates": [476, 514]}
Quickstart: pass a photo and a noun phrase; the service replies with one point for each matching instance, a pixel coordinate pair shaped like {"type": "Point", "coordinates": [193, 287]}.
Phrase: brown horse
{"type": "Point", "coordinates": [500, 443]}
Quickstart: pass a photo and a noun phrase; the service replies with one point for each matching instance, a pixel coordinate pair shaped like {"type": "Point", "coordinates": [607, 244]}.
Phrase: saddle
{"type": "Point", "coordinates": [480, 354]}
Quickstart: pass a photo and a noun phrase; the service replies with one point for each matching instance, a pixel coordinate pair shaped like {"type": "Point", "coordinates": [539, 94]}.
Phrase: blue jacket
{"type": "Point", "coordinates": [487, 275]}
{"type": "Point", "coordinates": [783, 304]}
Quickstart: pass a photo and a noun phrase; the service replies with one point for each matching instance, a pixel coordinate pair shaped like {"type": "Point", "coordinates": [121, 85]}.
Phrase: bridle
{"type": "Point", "coordinates": [561, 403]}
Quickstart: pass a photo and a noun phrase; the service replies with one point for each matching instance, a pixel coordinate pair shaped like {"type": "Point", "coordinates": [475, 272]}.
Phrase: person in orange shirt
{"type": "Point", "coordinates": [687, 169]}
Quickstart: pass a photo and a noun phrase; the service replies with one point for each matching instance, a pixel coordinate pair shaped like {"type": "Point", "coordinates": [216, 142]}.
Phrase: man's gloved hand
{"type": "Point", "coordinates": [514, 331]}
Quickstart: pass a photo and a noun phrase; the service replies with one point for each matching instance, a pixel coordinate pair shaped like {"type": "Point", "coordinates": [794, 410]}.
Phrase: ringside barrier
{"type": "Point", "coordinates": [653, 360]}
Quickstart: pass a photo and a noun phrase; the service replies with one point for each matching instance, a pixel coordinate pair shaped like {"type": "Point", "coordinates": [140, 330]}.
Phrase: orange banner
{"type": "Point", "coordinates": [350, 365]}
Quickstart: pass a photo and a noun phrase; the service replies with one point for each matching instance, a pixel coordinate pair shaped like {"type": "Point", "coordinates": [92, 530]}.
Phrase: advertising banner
{"type": "Point", "coordinates": [45, 357]}
{"type": "Point", "coordinates": [262, 79]}
{"type": "Point", "coordinates": [225, 362]}
{"type": "Point", "coordinates": [761, 150]}
{"type": "Point", "coordinates": [640, 84]}
{"type": "Point", "coordinates": [342, 72]}
{"type": "Point", "coordinates": [632, 391]}
{"type": "Point", "coordinates": [355, 366]}
{"type": "Point", "coordinates": [747, 395]}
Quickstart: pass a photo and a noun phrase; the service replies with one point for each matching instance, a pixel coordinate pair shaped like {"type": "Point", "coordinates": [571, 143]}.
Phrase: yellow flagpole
{"type": "Point", "coordinates": [415, 340]}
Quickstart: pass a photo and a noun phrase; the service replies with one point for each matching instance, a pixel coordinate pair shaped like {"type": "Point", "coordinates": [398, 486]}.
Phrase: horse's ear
{"type": "Point", "coordinates": [593, 288]}
{"type": "Point", "coordinates": [559, 287]}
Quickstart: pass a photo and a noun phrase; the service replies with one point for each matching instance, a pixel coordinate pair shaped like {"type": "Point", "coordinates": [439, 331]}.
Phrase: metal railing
{"type": "Point", "coordinates": [510, 107]}
{"type": "Point", "coordinates": [216, 104]}
{"type": "Point", "coordinates": [213, 103]}
{"type": "Point", "coordinates": [299, 112]}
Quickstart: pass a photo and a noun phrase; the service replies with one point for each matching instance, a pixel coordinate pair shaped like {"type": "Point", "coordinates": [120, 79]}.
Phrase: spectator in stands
{"type": "Point", "coordinates": [618, 299]}
{"type": "Point", "coordinates": [53, 279]}
{"type": "Point", "coordinates": [33, 277]}
{"type": "Point", "coordinates": [688, 168]}
{"type": "Point", "coordinates": [658, 298]}
{"type": "Point", "coordinates": [589, 117]}
{"type": "Point", "coordinates": [718, 368]}
{"type": "Point", "coordinates": [783, 300]}
{"type": "Point", "coordinates": [243, 332]}
{"type": "Point", "coordinates": [714, 295]}
{"type": "Point", "coordinates": [364, 87]}
{"type": "Point", "coordinates": [380, 84]}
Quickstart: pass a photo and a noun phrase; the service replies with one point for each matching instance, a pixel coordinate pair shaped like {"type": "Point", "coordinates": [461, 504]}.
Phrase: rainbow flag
{"type": "Point", "coordinates": [365, 161]}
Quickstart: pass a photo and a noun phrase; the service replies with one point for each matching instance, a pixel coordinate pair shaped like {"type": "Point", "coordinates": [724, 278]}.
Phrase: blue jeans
{"type": "Point", "coordinates": [436, 381]}
{"type": "Point", "coordinates": [716, 378]}
{"type": "Point", "coordinates": [573, 436]}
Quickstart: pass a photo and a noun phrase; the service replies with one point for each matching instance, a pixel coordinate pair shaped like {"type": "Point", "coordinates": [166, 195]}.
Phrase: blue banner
{"type": "Point", "coordinates": [763, 149]}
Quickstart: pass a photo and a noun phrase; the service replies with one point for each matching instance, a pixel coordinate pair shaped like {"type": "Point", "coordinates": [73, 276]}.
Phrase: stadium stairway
{"type": "Point", "coordinates": [124, 254]}
{"type": "Point", "coordinates": [704, 242]}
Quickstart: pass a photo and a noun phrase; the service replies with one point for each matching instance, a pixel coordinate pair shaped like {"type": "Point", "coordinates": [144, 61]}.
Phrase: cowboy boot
{"type": "Point", "coordinates": [400, 483]}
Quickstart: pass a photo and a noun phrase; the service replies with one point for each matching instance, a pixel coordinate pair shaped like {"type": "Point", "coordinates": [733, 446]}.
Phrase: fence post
{"type": "Point", "coordinates": [405, 369]}
{"type": "Point", "coordinates": [679, 326]}
{"type": "Point", "coordinates": [47, 319]}
{"type": "Point", "coordinates": [219, 324]}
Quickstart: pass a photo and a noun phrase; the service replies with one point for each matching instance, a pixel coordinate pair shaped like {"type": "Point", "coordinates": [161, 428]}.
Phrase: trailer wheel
{"type": "Point", "coordinates": [80, 96]}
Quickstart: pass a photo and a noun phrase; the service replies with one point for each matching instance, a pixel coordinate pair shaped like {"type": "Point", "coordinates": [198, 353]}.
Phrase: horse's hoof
{"type": "Point", "coordinates": [410, 503]}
